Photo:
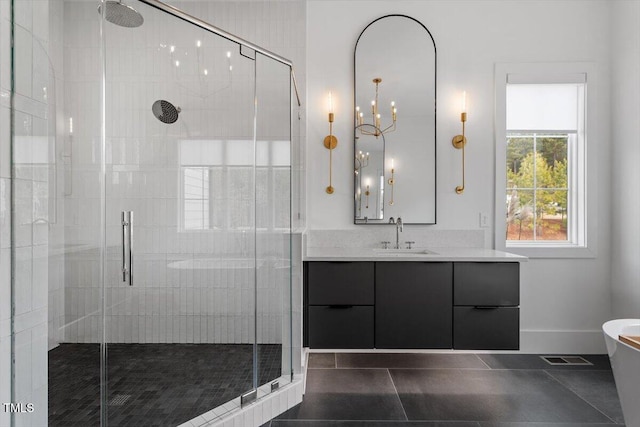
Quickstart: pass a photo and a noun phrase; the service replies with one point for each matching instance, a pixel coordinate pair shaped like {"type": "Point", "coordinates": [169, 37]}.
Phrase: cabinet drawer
{"type": "Point", "coordinates": [486, 284]}
{"type": "Point", "coordinates": [486, 328]}
{"type": "Point", "coordinates": [340, 283]}
{"type": "Point", "coordinates": [341, 327]}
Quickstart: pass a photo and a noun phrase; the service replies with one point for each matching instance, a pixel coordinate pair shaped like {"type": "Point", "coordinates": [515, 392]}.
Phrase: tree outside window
{"type": "Point", "coordinates": [537, 186]}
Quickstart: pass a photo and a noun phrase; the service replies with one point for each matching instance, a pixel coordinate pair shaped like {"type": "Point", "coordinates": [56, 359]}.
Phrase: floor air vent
{"type": "Point", "coordinates": [119, 399]}
{"type": "Point", "coordinates": [565, 360]}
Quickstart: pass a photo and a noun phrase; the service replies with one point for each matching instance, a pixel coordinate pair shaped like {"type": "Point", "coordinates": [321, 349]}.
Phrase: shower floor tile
{"type": "Point", "coordinates": [152, 384]}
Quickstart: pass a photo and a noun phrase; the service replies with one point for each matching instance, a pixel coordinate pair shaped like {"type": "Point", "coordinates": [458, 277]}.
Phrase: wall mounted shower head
{"type": "Point", "coordinates": [120, 14]}
{"type": "Point", "coordinates": [165, 111]}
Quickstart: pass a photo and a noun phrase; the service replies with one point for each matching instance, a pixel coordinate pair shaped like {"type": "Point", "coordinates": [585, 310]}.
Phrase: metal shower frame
{"type": "Point", "coordinates": [222, 33]}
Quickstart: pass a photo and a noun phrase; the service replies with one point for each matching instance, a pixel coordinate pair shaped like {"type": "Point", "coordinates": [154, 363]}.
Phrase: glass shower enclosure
{"type": "Point", "coordinates": [151, 166]}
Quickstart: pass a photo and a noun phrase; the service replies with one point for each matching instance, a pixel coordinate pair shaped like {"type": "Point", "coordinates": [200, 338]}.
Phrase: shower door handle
{"type": "Point", "coordinates": [127, 246]}
{"type": "Point", "coordinates": [130, 248]}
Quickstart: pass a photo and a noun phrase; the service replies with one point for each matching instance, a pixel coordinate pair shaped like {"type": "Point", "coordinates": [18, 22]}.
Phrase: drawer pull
{"type": "Point", "coordinates": [341, 307]}
{"type": "Point", "coordinates": [486, 307]}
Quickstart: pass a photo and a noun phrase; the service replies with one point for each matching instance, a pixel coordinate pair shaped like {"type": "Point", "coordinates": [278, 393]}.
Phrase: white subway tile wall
{"type": "Point", "coordinates": [171, 302]}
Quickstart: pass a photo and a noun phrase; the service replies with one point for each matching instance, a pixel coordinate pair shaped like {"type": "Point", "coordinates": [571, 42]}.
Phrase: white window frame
{"type": "Point", "coordinates": [586, 181]}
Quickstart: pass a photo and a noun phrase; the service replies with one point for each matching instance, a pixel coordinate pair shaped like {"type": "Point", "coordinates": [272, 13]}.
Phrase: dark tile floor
{"type": "Point", "coordinates": [453, 390]}
{"type": "Point", "coordinates": [152, 384]}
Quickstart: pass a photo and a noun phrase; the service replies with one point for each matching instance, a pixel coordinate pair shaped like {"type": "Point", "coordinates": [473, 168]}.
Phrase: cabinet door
{"type": "Point", "coordinates": [341, 326]}
{"type": "Point", "coordinates": [414, 305]}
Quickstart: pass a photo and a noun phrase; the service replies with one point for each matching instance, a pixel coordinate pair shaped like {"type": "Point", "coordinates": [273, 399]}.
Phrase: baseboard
{"type": "Point", "coordinates": [562, 341]}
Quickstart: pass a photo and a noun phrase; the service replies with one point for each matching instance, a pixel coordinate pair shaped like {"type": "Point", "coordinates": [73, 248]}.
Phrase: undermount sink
{"type": "Point", "coordinates": [412, 251]}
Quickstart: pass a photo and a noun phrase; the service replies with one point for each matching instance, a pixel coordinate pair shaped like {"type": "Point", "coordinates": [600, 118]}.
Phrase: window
{"type": "Point", "coordinates": [538, 188]}
{"type": "Point", "coordinates": [541, 164]}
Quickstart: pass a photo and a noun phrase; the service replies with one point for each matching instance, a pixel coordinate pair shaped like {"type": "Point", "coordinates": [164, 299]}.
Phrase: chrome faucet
{"type": "Point", "coordinates": [398, 230]}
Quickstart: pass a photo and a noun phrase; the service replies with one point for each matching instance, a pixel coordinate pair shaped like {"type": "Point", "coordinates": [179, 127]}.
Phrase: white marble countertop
{"type": "Point", "coordinates": [417, 254]}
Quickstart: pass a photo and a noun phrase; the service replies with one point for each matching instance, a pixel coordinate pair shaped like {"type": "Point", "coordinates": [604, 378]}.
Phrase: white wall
{"type": "Point", "coordinates": [563, 302]}
{"type": "Point", "coordinates": [625, 185]}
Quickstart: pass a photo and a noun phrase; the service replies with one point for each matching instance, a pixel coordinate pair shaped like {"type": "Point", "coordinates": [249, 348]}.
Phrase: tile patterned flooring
{"type": "Point", "coordinates": [453, 390]}
{"type": "Point", "coordinates": [161, 384]}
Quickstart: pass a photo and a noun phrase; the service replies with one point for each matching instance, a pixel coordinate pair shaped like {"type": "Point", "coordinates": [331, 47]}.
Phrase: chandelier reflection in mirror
{"type": "Point", "coordinates": [362, 161]}
{"type": "Point", "coordinates": [376, 116]}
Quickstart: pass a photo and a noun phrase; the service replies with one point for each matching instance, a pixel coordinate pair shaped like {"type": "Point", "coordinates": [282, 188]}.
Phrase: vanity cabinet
{"type": "Point", "coordinates": [486, 298]}
{"type": "Point", "coordinates": [339, 304]}
{"type": "Point", "coordinates": [413, 305]}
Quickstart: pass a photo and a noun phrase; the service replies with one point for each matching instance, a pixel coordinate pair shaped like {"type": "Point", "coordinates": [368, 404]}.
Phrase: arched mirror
{"type": "Point", "coordinates": [395, 122]}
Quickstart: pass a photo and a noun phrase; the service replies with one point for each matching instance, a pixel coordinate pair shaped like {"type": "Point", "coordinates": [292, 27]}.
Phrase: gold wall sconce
{"type": "Point", "coordinates": [367, 193]}
{"type": "Point", "coordinates": [459, 141]}
{"type": "Point", "coordinates": [330, 142]}
{"type": "Point", "coordinates": [392, 181]}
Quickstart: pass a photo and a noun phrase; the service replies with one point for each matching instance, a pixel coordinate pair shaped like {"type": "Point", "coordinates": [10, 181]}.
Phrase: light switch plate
{"type": "Point", "coordinates": [484, 220]}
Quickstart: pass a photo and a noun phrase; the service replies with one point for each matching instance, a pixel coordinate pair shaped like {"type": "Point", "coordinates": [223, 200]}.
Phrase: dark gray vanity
{"type": "Point", "coordinates": [466, 305]}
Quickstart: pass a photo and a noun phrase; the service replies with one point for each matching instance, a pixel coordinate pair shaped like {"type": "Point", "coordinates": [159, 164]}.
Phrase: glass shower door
{"type": "Point", "coordinates": [180, 201]}
{"type": "Point", "coordinates": [273, 222]}
{"type": "Point", "coordinates": [56, 235]}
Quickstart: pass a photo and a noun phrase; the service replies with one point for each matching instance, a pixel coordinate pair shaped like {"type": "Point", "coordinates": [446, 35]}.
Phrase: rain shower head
{"type": "Point", "coordinates": [165, 111]}
{"type": "Point", "coordinates": [120, 14]}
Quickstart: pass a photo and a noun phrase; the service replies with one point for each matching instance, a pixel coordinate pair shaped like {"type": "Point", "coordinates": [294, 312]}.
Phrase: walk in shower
{"type": "Point", "coordinates": [151, 202]}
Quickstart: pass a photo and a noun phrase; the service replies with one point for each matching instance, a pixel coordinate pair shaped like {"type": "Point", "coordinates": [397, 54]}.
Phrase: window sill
{"type": "Point", "coordinates": [551, 251]}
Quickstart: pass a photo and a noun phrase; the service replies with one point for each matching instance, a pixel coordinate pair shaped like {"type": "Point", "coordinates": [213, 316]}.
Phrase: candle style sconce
{"type": "Point", "coordinates": [392, 182]}
{"type": "Point", "coordinates": [367, 193]}
{"type": "Point", "coordinates": [459, 141]}
{"type": "Point", "coordinates": [330, 142]}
